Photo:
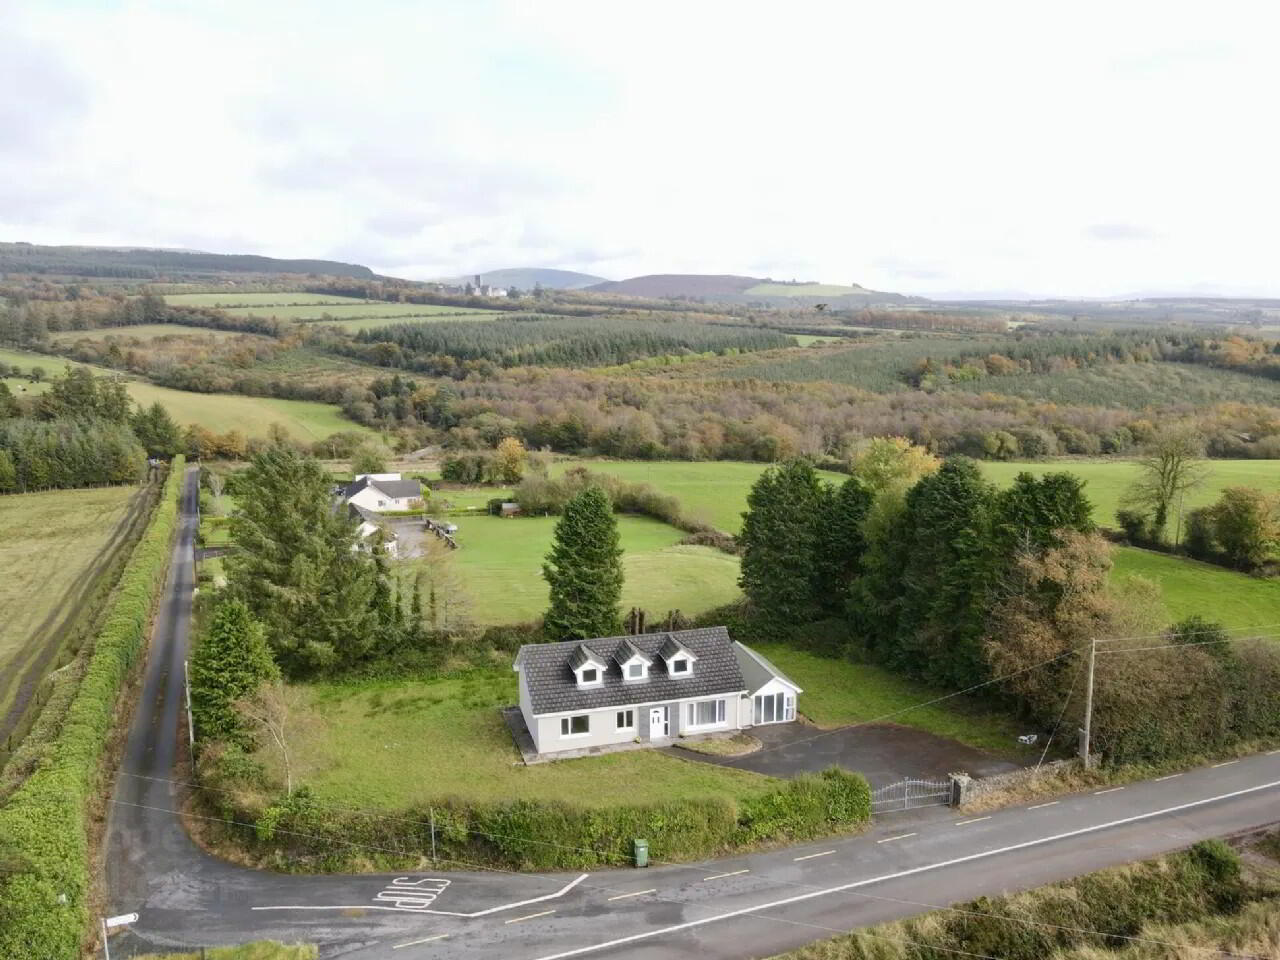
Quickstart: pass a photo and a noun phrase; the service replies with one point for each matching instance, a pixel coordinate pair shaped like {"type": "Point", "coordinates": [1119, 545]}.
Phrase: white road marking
{"type": "Point", "coordinates": [638, 893]}
{"type": "Point", "coordinates": [414, 943]}
{"type": "Point", "coordinates": [810, 856]}
{"type": "Point", "coordinates": [1098, 793]}
{"type": "Point", "coordinates": [1051, 803]}
{"type": "Point", "coordinates": [440, 913]}
{"type": "Point", "coordinates": [1225, 763]}
{"type": "Point", "coordinates": [969, 858]}
{"type": "Point", "coordinates": [721, 876]}
{"type": "Point", "coordinates": [1163, 779]}
{"type": "Point", "coordinates": [901, 836]}
{"type": "Point", "coordinates": [532, 916]}
{"type": "Point", "coordinates": [961, 823]}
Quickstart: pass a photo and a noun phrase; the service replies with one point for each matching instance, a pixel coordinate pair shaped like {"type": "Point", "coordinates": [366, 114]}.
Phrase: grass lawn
{"type": "Point", "coordinates": [304, 419]}
{"type": "Point", "coordinates": [840, 692]}
{"type": "Point", "coordinates": [1190, 587]}
{"type": "Point", "coordinates": [47, 545]}
{"type": "Point", "coordinates": [1106, 480]}
{"type": "Point", "coordinates": [262, 950]}
{"type": "Point", "coordinates": [712, 491]}
{"type": "Point", "coordinates": [388, 744]}
{"type": "Point", "coordinates": [499, 562]}
{"type": "Point", "coordinates": [143, 331]}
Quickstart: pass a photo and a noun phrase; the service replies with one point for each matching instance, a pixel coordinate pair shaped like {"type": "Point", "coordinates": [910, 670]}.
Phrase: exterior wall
{"type": "Point", "coordinates": [604, 730]}
{"type": "Point", "coordinates": [527, 712]}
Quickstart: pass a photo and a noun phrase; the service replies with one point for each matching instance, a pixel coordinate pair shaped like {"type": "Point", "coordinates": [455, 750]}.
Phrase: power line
{"type": "Point", "coordinates": [1194, 643]}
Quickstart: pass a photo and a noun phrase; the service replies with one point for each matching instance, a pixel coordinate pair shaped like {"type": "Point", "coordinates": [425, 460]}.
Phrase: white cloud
{"type": "Point", "coordinates": [918, 147]}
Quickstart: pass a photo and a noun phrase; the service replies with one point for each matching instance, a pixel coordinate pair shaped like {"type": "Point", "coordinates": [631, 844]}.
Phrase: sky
{"type": "Point", "coordinates": [945, 149]}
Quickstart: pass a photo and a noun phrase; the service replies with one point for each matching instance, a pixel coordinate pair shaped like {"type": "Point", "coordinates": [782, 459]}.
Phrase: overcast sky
{"type": "Point", "coordinates": [1066, 149]}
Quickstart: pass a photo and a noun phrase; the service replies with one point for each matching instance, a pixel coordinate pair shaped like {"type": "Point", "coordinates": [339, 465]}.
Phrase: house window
{"type": "Point", "coordinates": [590, 675]}
{"type": "Point", "coordinates": [575, 726]}
{"type": "Point", "coordinates": [626, 719]}
{"type": "Point", "coordinates": [635, 671]}
{"type": "Point", "coordinates": [706, 713]}
{"type": "Point", "coordinates": [680, 666]}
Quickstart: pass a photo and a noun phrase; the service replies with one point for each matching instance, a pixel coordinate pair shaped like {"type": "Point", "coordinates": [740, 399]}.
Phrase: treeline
{"type": "Point", "coordinates": [543, 341]}
{"type": "Point", "coordinates": [930, 570]}
{"type": "Point", "coordinates": [147, 263]}
{"type": "Point", "coordinates": [926, 320]}
{"type": "Point", "coordinates": [28, 321]}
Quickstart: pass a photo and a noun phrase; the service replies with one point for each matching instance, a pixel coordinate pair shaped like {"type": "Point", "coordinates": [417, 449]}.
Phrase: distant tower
{"type": "Point", "coordinates": [478, 281]}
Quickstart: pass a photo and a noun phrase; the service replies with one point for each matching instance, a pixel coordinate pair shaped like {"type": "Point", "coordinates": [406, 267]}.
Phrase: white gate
{"type": "Point", "coordinates": [909, 794]}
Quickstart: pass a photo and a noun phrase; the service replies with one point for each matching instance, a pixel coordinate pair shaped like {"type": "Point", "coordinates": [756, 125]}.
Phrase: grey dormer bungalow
{"type": "Point", "coordinates": [648, 688]}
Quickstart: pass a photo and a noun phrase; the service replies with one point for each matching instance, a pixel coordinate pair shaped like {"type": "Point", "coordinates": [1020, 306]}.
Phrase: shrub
{"type": "Point", "coordinates": [46, 819]}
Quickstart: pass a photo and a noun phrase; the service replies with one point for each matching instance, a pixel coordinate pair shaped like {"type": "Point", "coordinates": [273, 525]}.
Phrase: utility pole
{"type": "Point", "coordinates": [1086, 733]}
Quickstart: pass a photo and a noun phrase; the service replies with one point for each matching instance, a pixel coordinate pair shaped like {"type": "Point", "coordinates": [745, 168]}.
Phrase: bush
{"type": "Point", "coordinates": [540, 835]}
{"type": "Point", "coordinates": [46, 819]}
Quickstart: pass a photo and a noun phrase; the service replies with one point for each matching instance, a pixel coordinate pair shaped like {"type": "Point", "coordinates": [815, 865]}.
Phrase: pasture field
{"type": "Point", "coordinates": [394, 743]}
{"type": "Point", "coordinates": [368, 308]}
{"type": "Point", "coordinates": [713, 491]}
{"type": "Point", "coordinates": [1107, 480]}
{"type": "Point", "coordinates": [809, 339]}
{"type": "Point", "coordinates": [841, 692]}
{"type": "Point", "coordinates": [304, 419]}
{"type": "Point", "coordinates": [142, 331]}
{"type": "Point", "coordinates": [48, 545]}
{"type": "Point", "coordinates": [801, 290]}
{"type": "Point", "coordinates": [231, 298]}
{"type": "Point", "coordinates": [499, 563]}
{"type": "Point", "coordinates": [1190, 587]}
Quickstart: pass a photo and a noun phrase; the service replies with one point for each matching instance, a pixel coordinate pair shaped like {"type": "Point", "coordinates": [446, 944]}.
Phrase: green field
{"type": "Point", "coordinates": [48, 542]}
{"type": "Point", "coordinates": [142, 331]}
{"type": "Point", "coordinates": [500, 565]}
{"type": "Point", "coordinates": [444, 313]}
{"type": "Point", "coordinates": [390, 744]}
{"type": "Point", "coordinates": [714, 492]}
{"type": "Point", "coordinates": [809, 339]}
{"type": "Point", "coordinates": [840, 692]}
{"type": "Point", "coordinates": [801, 290]}
{"type": "Point", "coordinates": [1106, 480]}
{"type": "Point", "coordinates": [232, 299]}
{"type": "Point", "coordinates": [353, 311]}
{"type": "Point", "coordinates": [220, 412]}
{"type": "Point", "coordinates": [1190, 587]}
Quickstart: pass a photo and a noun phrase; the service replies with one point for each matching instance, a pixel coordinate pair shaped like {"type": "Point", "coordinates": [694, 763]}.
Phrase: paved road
{"type": "Point", "coordinates": [751, 906]}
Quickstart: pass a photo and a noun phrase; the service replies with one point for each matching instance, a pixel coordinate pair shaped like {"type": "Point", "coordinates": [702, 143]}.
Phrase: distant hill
{"type": "Point", "coordinates": [728, 288]}
{"type": "Point", "coordinates": [525, 278]}
{"type": "Point", "coordinates": [138, 263]}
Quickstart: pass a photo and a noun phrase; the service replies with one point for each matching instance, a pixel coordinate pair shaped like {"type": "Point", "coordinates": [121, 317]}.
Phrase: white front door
{"type": "Point", "coordinates": [657, 722]}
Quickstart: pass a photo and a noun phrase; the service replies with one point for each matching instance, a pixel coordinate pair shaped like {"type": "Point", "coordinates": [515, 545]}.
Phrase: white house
{"type": "Point", "coordinates": [649, 688]}
{"type": "Point", "coordinates": [382, 492]}
{"type": "Point", "coordinates": [369, 526]}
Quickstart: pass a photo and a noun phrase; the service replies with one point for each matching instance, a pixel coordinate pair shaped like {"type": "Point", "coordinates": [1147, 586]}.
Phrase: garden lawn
{"type": "Point", "coordinates": [1190, 587]}
{"type": "Point", "coordinates": [388, 744]}
{"type": "Point", "coordinates": [499, 562]}
{"type": "Point", "coordinates": [1107, 480]}
{"type": "Point", "coordinates": [48, 542]}
{"type": "Point", "coordinates": [840, 692]}
{"type": "Point", "coordinates": [714, 491]}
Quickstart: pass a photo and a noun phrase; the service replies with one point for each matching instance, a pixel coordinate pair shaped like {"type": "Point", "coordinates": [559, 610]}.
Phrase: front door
{"type": "Point", "coordinates": [657, 722]}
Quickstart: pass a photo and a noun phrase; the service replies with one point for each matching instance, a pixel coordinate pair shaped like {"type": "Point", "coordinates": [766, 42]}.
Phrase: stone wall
{"type": "Point", "coordinates": [965, 789]}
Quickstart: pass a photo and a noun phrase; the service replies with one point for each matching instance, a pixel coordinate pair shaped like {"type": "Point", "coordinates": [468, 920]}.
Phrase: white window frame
{"type": "Point", "coordinates": [566, 726]}
{"type": "Point", "coordinates": [636, 665]}
{"type": "Point", "coordinates": [599, 671]}
{"type": "Point", "coordinates": [692, 714]}
{"type": "Point", "coordinates": [626, 719]}
{"type": "Point", "coordinates": [684, 664]}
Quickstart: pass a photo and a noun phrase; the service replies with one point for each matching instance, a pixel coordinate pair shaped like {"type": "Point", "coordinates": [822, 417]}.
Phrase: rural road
{"type": "Point", "coordinates": [748, 906]}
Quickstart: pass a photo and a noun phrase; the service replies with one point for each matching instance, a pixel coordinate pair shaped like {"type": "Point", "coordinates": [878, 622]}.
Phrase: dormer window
{"type": "Point", "coordinates": [679, 658]}
{"type": "Point", "coordinates": [587, 667]}
{"type": "Point", "coordinates": [680, 666]}
{"type": "Point", "coordinates": [632, 663]}
{"type": "Point", "coordinates": [588, 675]}
{"type": "Point", "coordinates": [635, 671]}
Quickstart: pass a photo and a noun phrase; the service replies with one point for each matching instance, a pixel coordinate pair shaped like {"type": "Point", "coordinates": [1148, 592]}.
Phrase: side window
{"type": "Point", "coordinates": [575, 725]}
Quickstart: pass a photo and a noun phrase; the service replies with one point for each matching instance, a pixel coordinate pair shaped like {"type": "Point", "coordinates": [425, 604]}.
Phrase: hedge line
{"type": "Point", "coordinates": [44, 823]}
{"type": "Point", "coordinates": [302, 833]}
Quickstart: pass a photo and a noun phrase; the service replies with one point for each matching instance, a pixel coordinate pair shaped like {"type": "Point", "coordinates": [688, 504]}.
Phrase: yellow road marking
{"type": "Point", "coordinates": [638, 893]}
{"type": "Point", "coordinates": [544, 913]}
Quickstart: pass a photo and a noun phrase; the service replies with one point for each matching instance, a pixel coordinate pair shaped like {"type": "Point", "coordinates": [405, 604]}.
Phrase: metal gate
{"type": "Point", "coordinates": [909, 794]}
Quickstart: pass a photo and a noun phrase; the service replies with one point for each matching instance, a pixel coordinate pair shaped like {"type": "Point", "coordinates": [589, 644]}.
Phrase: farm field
{"type": "Point", "coordinates": [142, 331]}
{"type": "Point", "coordinates": [714, 491]}
{"type": "Point", "coordinates": [500, 566]}
{"type": "Point", "coordinates": [1190, 587]}
{"type": "Point", "coordinates": [353, 311]}
{"type": "Point", "coordinates": [840, 692]}
{"type": "Point", "coordinates": [304, 419]}
{"type": "Point", "coordinates": [801, 290]}
{"type": "Point", "coordinates": [231, 298]}
{"type": "Point", "coordinates": [1107, 480]}
{"type": "Point", "coordinates": [48, 542]}
{"type": "Point", "coordinates": [390, 744]}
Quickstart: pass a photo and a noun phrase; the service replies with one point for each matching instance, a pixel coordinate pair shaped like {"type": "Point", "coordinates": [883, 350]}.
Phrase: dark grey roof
{"type": "Point", "coordinates": [671, 646]}
{"type": "Point", "coordinates": [582, 654]}
{"type": "Point", "coordinates": [628, 651]}
{"type": "Point", "coordinates": [553, 687]}
{"type": "Point", "coordinates": [396, 489]}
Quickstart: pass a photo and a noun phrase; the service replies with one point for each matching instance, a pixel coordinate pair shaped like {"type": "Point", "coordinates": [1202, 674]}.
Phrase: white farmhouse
{"type": "Point", "coordinates": [382, 492]}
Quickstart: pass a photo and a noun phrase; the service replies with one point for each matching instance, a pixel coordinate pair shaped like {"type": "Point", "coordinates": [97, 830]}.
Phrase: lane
{"type": "Point", "coordinates": [744, 906]}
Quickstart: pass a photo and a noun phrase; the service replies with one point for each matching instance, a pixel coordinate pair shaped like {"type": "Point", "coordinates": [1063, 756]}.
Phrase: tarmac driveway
{"type": "Point", "coordinates": [882, 752]}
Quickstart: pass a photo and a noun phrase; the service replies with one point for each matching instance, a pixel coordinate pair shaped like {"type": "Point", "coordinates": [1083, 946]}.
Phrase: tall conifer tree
{"type": "Point", "coordinates": [584, 570]}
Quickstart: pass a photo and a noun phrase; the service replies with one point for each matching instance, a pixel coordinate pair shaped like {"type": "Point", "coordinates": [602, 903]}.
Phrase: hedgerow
{"type": "Point", "coordinates": [301, 832]}
{"type": "Point", "coordinates": [44, 823]}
